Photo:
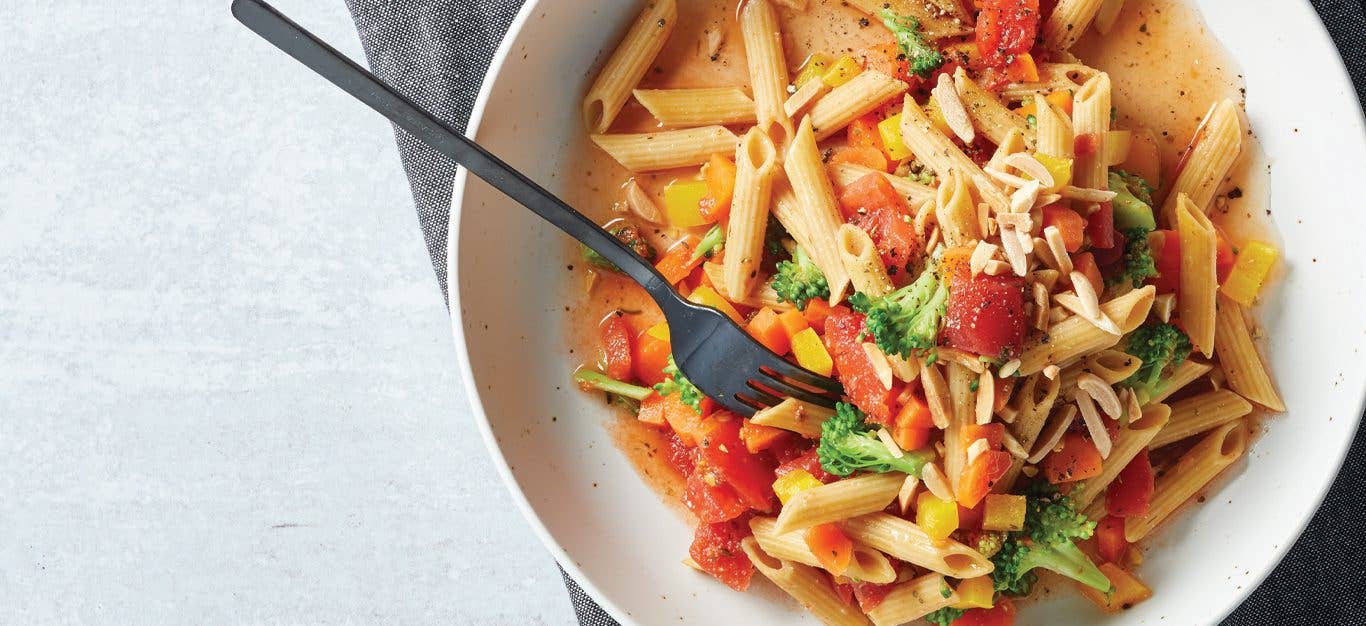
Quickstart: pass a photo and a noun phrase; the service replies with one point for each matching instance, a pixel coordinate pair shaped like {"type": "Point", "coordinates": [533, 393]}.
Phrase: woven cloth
{"type": "Point", "coordinates": [437, 51]}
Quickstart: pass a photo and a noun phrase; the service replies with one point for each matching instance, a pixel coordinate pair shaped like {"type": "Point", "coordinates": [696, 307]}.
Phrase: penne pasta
{"type": "Point", "coordinates": [916, 194]}
{"type": "Point", "coordinates": [866, 564]}
{"type": "Point", "coordinates": [1052, 77]}
{"type": "Point", "coordinates": [913, 600]}
{"type": "Point", "coordinates": [647, 152]}
{"type": "Point", "coordinates": [955, 212]}
{"type": "Point", "coordinates": [1195, 469]}
{"type": "Point", "coordinates": [1188, 372]}
{"type": "Point", "coordinates": [792, 414]}
{"type": "Point", "coordinates": [1238, 358]}
{"type": "Point", "coordinates": [762, 296]}
{"type": "Point", "coordinates": [756, 161]}
{"type": "Point", "coordinates": [989, 116]}
{"type": "Point", "coordinates": [1091, 118]}
{"type": "Point", "coordinates": [1197, 414]}
{"type": "Point", "coordinates": [839, 500]}
{"type": "Point", "coordinates": [861, 259]}
{"type": "Point", "coordinates": [901, 539]}
{"type": "Point", "coordinates": [767, 68]}
{"type": "Point", "coordinates": [941, 155]}
{"type": "Point", "coordinates": [807, 585]}
{"type": "Point", "coordinates": [628, 63]}
{"type": "Point", "coordinates": [1076, 337]}
{"type": "Point", "coordinates": [1055, 136]}
{"type": "Point", "coordinates": [1213, 150]}
{"type": "Point", "coordinates": [1068, 22]}
{"type": "Point", "coordinates": [863, 93]}
{"type": "Point", "coordinates": [964, 402]}
{"type": "Point", "coordinates": [813, 218]}
{"type": "Point", "coordinates": [1127, 444]}
{"type": "Point", "coordinates": [708, 106]}
{"type": "Point", "coordinates": [1111, 366]}
{"type": "Point", "coordinates": [1195, 297]}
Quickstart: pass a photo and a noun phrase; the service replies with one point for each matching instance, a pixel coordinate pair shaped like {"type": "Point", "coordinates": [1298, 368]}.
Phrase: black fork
{"type": "Point", "coordinates": [719, 357]}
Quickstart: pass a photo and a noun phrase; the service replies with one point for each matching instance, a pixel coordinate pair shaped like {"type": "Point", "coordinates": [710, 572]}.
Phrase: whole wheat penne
{"type": "Point", "coordinates": [862, 94]}
{"type": "Point", "coordinates": [628, 63]}
{"type": "Point", "coordinates": [706, 106]}
{"type": "Point", "coordinates": [1197, 414]}
{"type": "Point", "coordinates": [646, 152]}
{"type": "Point", "coordinates": [767, 67]}
{"type": "Point", "coordinates": [1238, 358]}
{"type": "Point", "coordinates": [841, 499]}
{"type": "Point", "coordinates": [807, 585]}
{"type": "Point", "coordinates": [1195, 469]}
{"type": "Point", "coordinates": [756, 163]}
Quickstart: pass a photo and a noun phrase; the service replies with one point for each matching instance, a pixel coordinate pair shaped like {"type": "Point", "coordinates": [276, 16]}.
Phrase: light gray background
{"type": "Point", "coordinates": [227, 383]}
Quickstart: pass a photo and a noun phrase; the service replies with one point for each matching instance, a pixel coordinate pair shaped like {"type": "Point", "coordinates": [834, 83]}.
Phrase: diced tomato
{"type": "Point", "coordinates": [843, 590]}
{"type": "Point", "coordinates": [981, 475]}
{"type": "Point", "coordinates": [684, 421]}
{"type": "Point", "coordinates": [1109, 257]}
{"type": "Point", "coordinates": [1077, 460]}
{"type": "Point", "coordinates": [1085, 144]}
{"type": "Point", "coordinates": [716, 549]}
{"type": "Point", "coordinates": [1167, 258]}
{"type": "Point", "coordinates": [651, 357]}
{"type": "Point", "coordinates": [1071, 225]}
{"type": "Point", "coordinates": [750, 475]}
{"type": "Point", "coordinates": [1086, 264]}
{"type": "Point", "coordinates": [863, 132]}
{"type": "Point", "coordinates": [809, 461]}
{"type": "Point", "coordinates": [1223, 257]}
{"type": "Point", "coordinates": [709, 497]}
{"type": "Point", "coordinates": [616, 346]}
{"type": "Point", "coordinates": [681, 457]}
{"type": "Point", "coordinates": [1110, 543]}
{"type": "Point", "coordinates": [893, 236]}
{"type": "Point", "coordinates": [720, 178]}
{"type": "Point", "coordinates": [789, 448]}
{"type": "Point", "coordinates": [831, 546]}
{"type": "Point", "coordinates": [1132, 490]}
{"type": "Point", "coordinates": [861, 383]}
{"type": "Point", "coordinates": [758, 437]}
{"type": "Point", "coordinates": [986, 315]}
{"type": "Point", "coordinates": [890, 60]}
{"type": "Point", "coordinates": [867, 194]}
{"type": "Point", "coordinates": [866, 156]}
{"type": "Point", "coordinates": [1003, 614]}
{"type": "Point", "coordinates": [1100, 227]}
{"type": "Point", "coordinates": [870, 595]}
{"type": "Point", "coordinates": [970, 519]}
{"type": "Point", "coordinates": [1006, 28]}
{"type": "Point", "coordinates": [957, 262]}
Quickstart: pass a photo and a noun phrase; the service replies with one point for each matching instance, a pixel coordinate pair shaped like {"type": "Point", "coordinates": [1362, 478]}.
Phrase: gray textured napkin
{"type": "Point", "coordinates": [437, 51]}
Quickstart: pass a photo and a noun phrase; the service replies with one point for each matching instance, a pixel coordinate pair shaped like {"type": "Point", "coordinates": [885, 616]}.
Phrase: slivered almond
{"type": "Point", "coordinates": [1164, 305]}
{"type": "Point", "coordinates": [1005, 178]}
{"type": "Point", "coordinates": [1094, 425]}
{"type": "Point", "coordinates": [1133, 407]}
{"type": "Point", "coordinates": [1098, 318]}
{"type": "Point", "coordinates": [1062, 261]}
{"type": "Point", "coordinates": [1026, 163]}
{"type": "Point", "coordinates": [907, 493]}
{"type": "Point", "coordinates": [935, 481]}
{"type": "Point", "coordinates": [951, 106]}
{"type": "Point", "coordinates": [975, 449]}
{"type": "Point", "coordinates": [881, 367]}
{"type": "Point", "coordinates": [1086, 293]}
{"type": "Point", "coordinates": [904, 369]}
{"type": "Point", "coordinates": [1051, 371]}
{"type": "Point", "coordinates": [986, 396]}
{"type": "Point", "coordinates": [1047, 278]}
{"type": "Point", "coordinates": [1087, 195]}
{"type": "Point", "coordinates": [984, 223]}
{"type": "Point", "coordinates": [1053, 432]}
{"type": "Point", "coordinates": [1015, 253]}
{"type": "Point", "coordinates": [1044, 254]}
{"type": "Point", "coordinates": [1040, 306]}
{"type": "Point", "coordinates": [1008, 369]}
{"type": "Point", "coordinates": [1102, 393]}
{"type": "Point", "coordinates": [966, 359]}
{"type": "Point", "coordinates": [1012, 445]}
{"type": "Point", "coordinates": [980, 255]}
{"type": "Point", "coordinates": [1046, 199]}
{"type": "Point", "coordinates": [936, 395]}
{"type": "Point", "coordinates": [996, 268]}
{"type": "Point", "coordinates": [886, 439]}
{"type": "Point", "coordinates": [1017, 221]}
{"type": "Point", "coordinates": [1008, 414]}
{"type": "Point", "coordinates": [641, 204]}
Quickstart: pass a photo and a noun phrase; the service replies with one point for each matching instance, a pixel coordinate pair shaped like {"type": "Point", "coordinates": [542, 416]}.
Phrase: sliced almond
{"type": "Point", "coordinates": [986, 396]}
{"type": "Point", "coordinates": [904, 369]}
{"type": "Point", "coordinates": [1102, 393]}
{"type": "Point", "coordinates": [1051, 371]}
{"type": "Point", "coordinates": [1053, 432]}
{"type": "Point", "coordinates": [1072, 302]}
{"type": "Point", "coordinates": [936, 395]}
{"type": "Point", "coordinates": [1005, 178]}
{"type": "Point", "coordinates": [935, 481]}
{"type": "Point", "coordinates": [1012, 445]}
{"type": "Point", "coordinates": [805, 97]}
{"type": "Point", "coordinates": [997, 268]}
{"type": "Point", "coordinates": [975, 449]}
{"type": "Point", "coordinates": [1164, 305]}
{"type": "Point", "coordinates": [1015, 253]}
{"type": "Point", "coordinates": [1062, 260]}
{"type": "Point", "coordinates": [1087, 195]}
{"type": "Point", "coordinates": [641, 204]}
{"type": "Point", "coordinates": [906, 496]}
{"type": "Point", "coordinates": [980, 255]}
{"type": "Point", "coordinates": [1094, 425]}
{"type": "Point", "coordinates": [951, 106]}
{"type": "Point", "coordinates": [1009, 368]}
{"type": "Point", "coordinates": [966, 359]}
{"type": "Point", "coordinates": [881, 367]}
{"type": "Point", "coordinates": [1026, 163]}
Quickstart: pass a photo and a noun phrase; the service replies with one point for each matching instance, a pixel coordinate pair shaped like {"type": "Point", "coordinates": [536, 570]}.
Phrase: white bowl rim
{"type": "Point", "coordinates": [562, 558]}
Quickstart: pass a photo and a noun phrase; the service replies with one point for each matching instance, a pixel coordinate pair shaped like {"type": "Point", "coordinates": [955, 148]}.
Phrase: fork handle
{"type": "Point", "coordinates": [341, 71]}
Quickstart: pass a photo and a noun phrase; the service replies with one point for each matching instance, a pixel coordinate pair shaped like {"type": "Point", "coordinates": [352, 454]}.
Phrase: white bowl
{"type": "Point", "coordinates": [612, 533]}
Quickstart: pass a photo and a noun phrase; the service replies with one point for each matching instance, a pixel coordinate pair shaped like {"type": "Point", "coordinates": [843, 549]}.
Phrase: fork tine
{"type": "Point", "coordinates": [763, 396]}
{"type": "Point", "coordinates": [804, 376]}
{"type": "Point", "coordinates": [779, 388]}
{"type": "Point", "coordinates": [751, 402]}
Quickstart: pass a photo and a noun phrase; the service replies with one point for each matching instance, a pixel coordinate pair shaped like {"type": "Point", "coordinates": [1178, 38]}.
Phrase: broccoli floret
{"type": "Point", "coordinates": [618, 392]}
{"type": "Point", "coordinates": [924, 59]}
{"type": "Point", "coordinates": [676, 381]}
{"type": "Point", "coordinates": [1138, 264]}
{"type": "Point", "coordinates": [848, 446]}
{"type": "Point", "coordinates": [1160, 347]}
{"type": "Point", "coordinates": [774, 235]}
{"type": "Point", "coordinates": [710, 241]}
{"type": "Point", "coordinates": [907, 319]}
{"type": "Point", "coordinates": [628, 234]}
{"type": "Point", "coordinates": [989, 543]}
{"type": "Point", "coordinates": [1047, 541]}
{"type": "Point", "coordinates": [1133, 203]}
{"type": "Point", "coordinates": [944, 616]}
{"type": "Point", "coordinates": [800, 279]}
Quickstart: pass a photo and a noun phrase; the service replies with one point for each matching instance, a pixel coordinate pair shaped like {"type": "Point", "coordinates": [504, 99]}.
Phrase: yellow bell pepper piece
{"type": "Point", "coordinates": [975, 593]}
{"type": "Point", "coordinates": [1059, 167]}
{"type": "Point", "coordinates": [890, 131]}
{"type": "Point", "coordinates": [938, 518]}
{"type": "Point", "coordinates": [682, 200]}
{"type": "Point", "coordinates": [706, 296]}
{"type": "Point", "coordinates": [659, 331]}
{"type": "Point", "coordinates": [1249, 272]}
{"type": "Point", "coordinates": [1003, 512]}
{"type": "Point", "coordinates": [811, 353]}
{"type": "Point", "coordinates": [1062, 99]}
{"type": "Point", "coordinates": [842, 71]}
{"type": "Point", "coordinates": [815, 67]}
{"type": "Point", "coordinates": [936, 116]}
{"type": "Point", "coordinates": [792, 482]}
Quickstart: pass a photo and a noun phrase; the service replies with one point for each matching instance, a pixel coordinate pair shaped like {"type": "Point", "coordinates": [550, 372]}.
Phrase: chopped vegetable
{"type": "Point", "coordinates": [923, 58]}
{"type": "Point", "coordinates": [811, 353]}
{"type": "Point", "coordinates": [1078, 459]}
{"type": "Point", "coordinates": [1133, 202]}
{"type": "Point", "coordinates": [707, 296]}
{"type": "Point", "coordinates": [938, 518]}
{"type": "Point", "coordinates": [800, 280]}
{"type": "Point", "coordinates": [1051, 526]}
{"type": "Point", "coordinates": [1137, 264]}
{"type": "Point", "coordinates": [719, 175]}
{"type": "Point", "coordinates": [831, 546]}
{"type": "Point", "coordinates": [907, 319]}
{"type": "Point", "coordinates": [628, 234]}
{"type": "Point", "coordinates": [1160, 347]}
{"type": "Point", "coordinates": [677, 382]}
{"type": "Point", "coordinates": [944, 616]}
{"type": "Point", "coordinates": [793, 482]}
{"type": "Point", "coordinates": [682, 201]}
{"type": "Point", "coordinates": [890, 132]}
{"type": "Point", "coordinates": [848, 446]}
{"type": "Point", "coordinates": [845, 69]}
{"type": "Point", "coordinates": [1255, 259]}
{"type": "Point", "coordinates": [975, 593]}
{"type": "Point", "coordinates": [1004, 512]}
{"type": "Point", "coordinates": [625, 393]}
{"type": "Point", "coordinates": [710, 242]}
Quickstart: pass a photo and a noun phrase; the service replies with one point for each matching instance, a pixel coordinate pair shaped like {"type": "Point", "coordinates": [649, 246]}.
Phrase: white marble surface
{"type": "Point", "coordinates": [227, 383]}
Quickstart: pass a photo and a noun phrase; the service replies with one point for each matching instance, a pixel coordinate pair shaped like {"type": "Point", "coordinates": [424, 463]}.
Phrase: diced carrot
{"type": "Point", "coordinates": [1071, 225]}
{"type": "Point", "coordinates": [912, 424]}
{"type": "Point", "coordinates": [720, 178]}
{"type": "Point", "coordinates": [766, 329]}
{"type": "Point", "coordinates": [758, 437]}
{"type": "Point", "coordinates": [1110, 540]}
{"type": "Point", "coordinates": [815, 312]}
{"type": "Point", "coordinates": [684, 421]}
{"type": "Point", "coordinates": [652, 410]}
{"type": "Point", "coordinates": [1086, 264]}
{"type": "Point", "coordinates": [650, 358]}
{"type": "Point", "coordinates": [866, 156]}
{"type": "Point", "coordinates": [981, 475]}
{"type": "Point", "coordinates": [863, 132]}
{"type": "Point", "coordinates": [793, 322]}
{"type": "Point", "coordinates": [1077, 460]}
{"type": "Point", "coordinates": [1022, 69]}
{"type": "Point", "coordinates": [677, 263]}
{"type": "Point", "coordinates": [831, 546]}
